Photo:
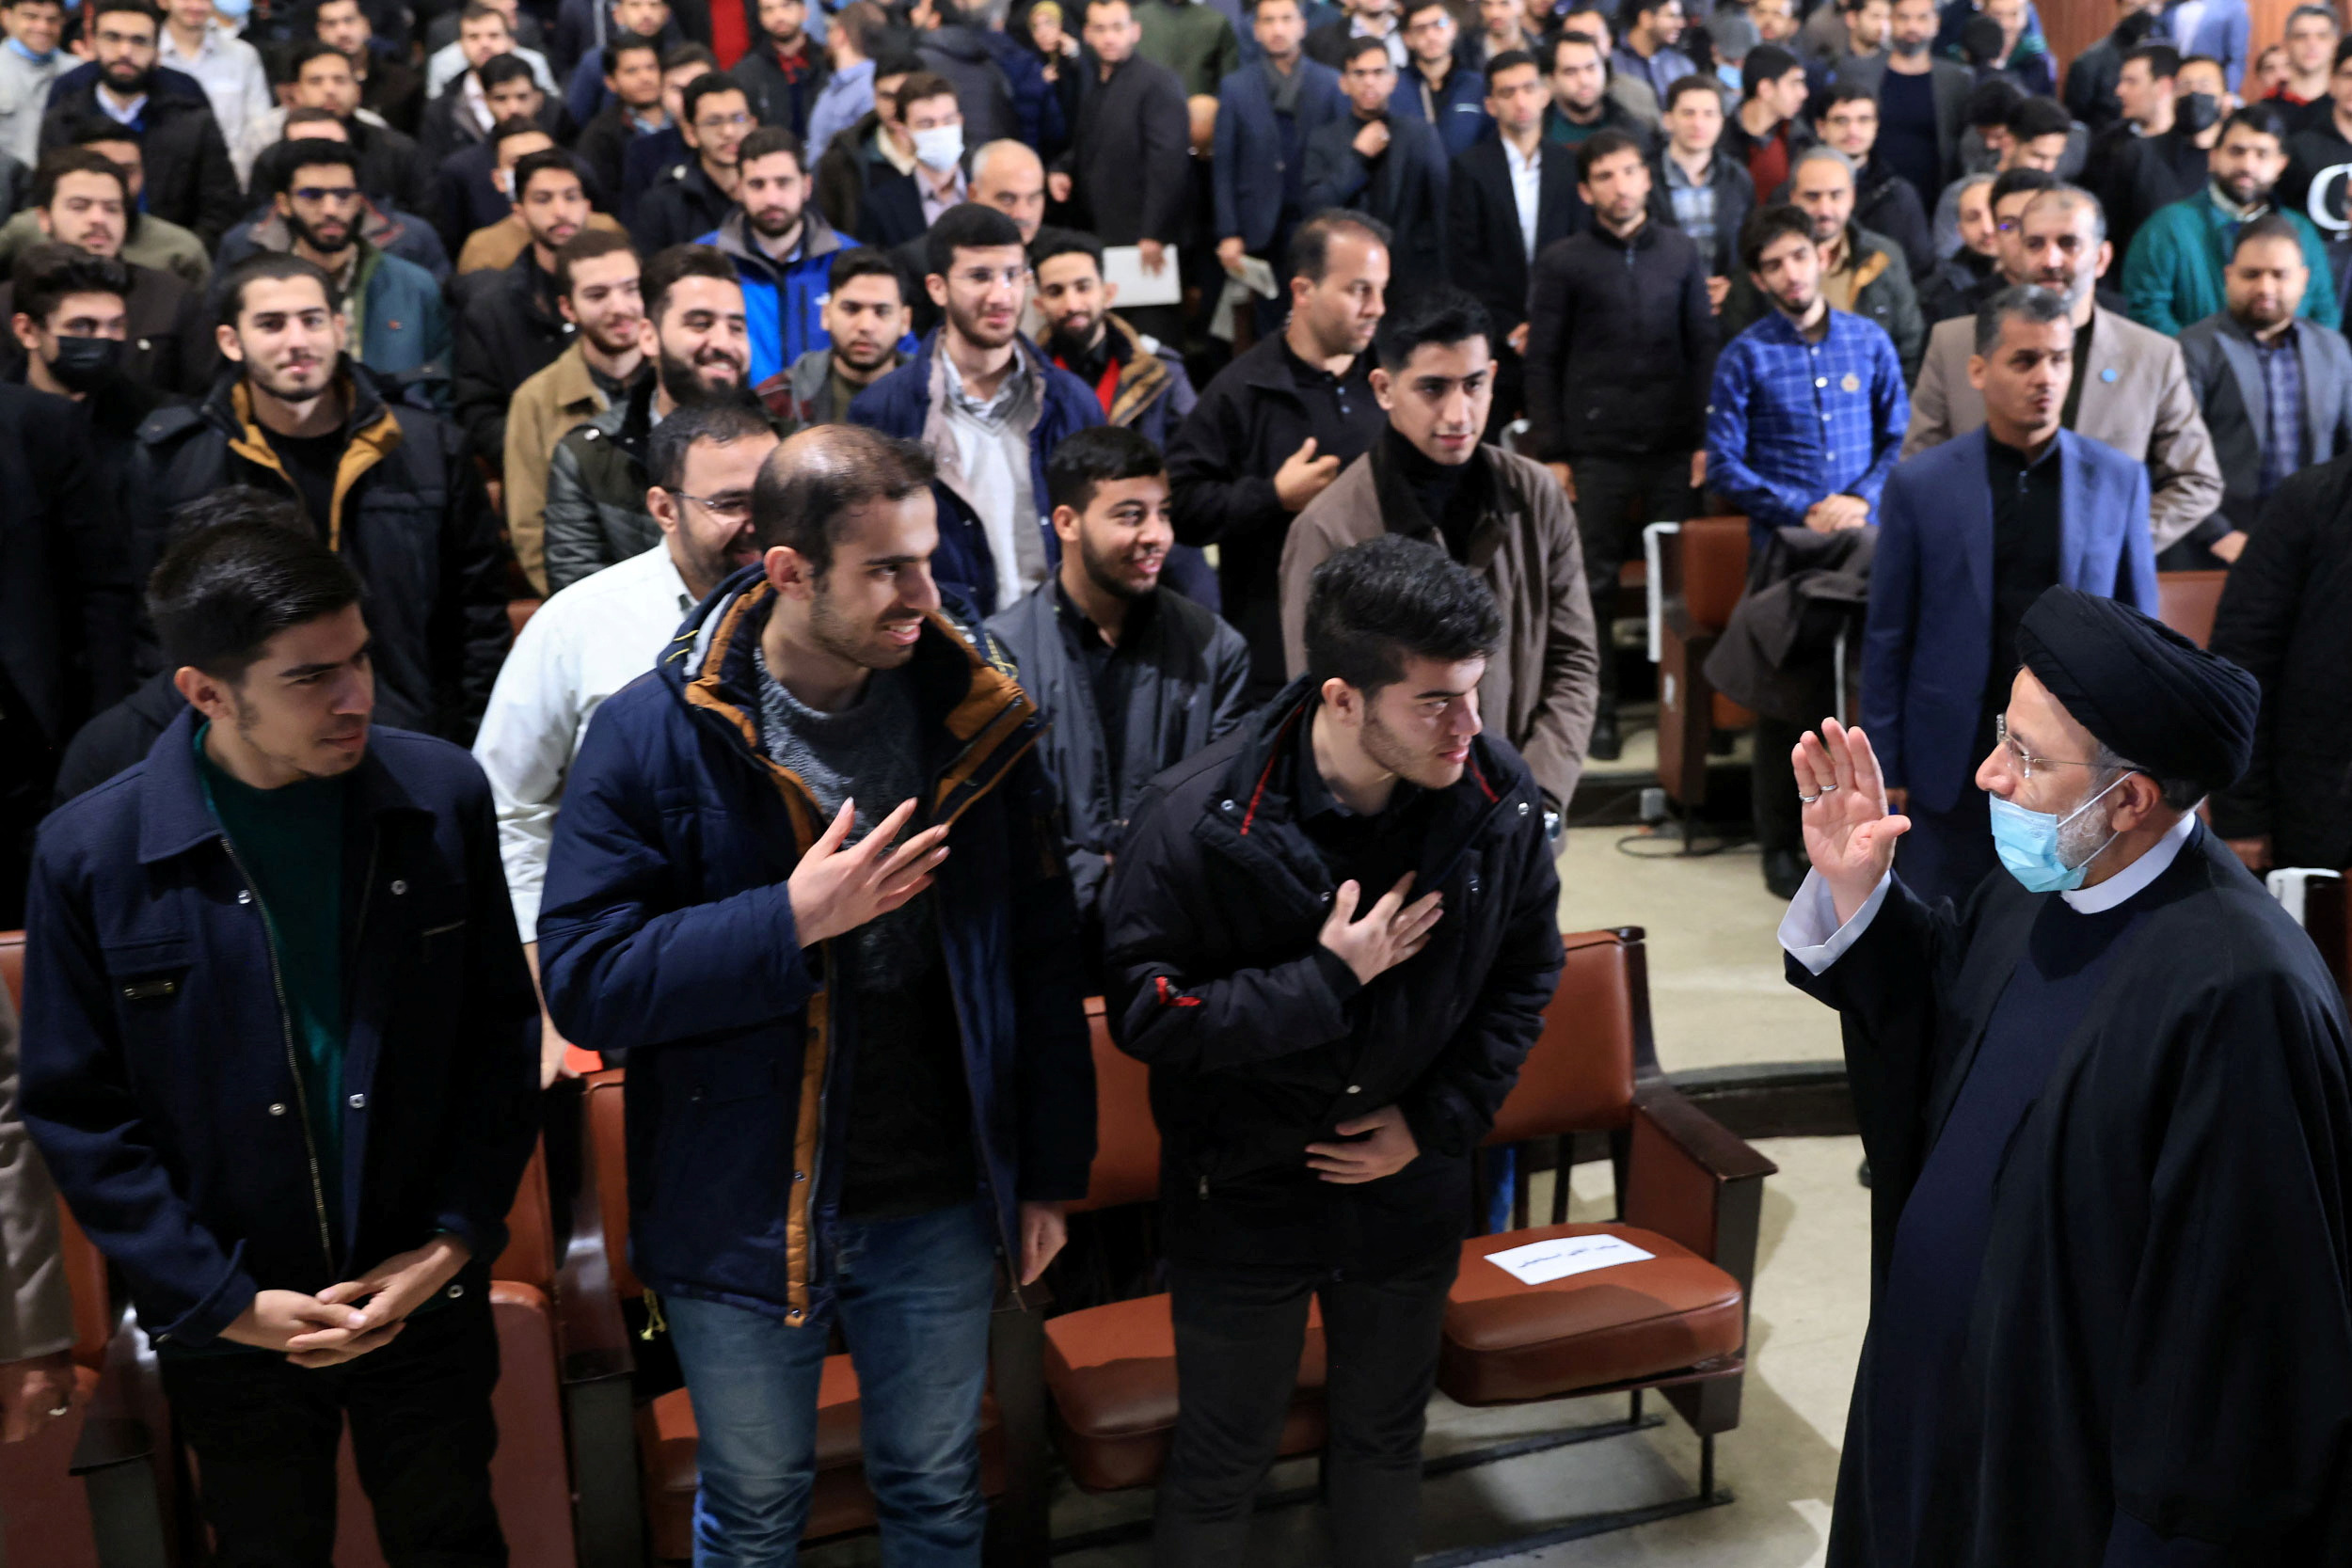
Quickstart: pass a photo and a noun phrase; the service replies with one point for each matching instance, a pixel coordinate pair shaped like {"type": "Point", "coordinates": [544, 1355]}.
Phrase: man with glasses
{"type": "Point", "coordinates": [695, 195]}
{"type": "Point", "coordinates": [1440, 88]}
{"type": "Point", "coordinates": [398, 324]}
{"type": "Point", "coordinates": [604, 632]}
{"type": "Point", "coordinates": [2042, 505]}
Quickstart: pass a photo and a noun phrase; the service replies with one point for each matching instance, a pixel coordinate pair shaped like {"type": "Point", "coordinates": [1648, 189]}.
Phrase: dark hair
{"type": "Point", "coordinates": [2262, 117]}
{"type": "Point", "coordinates": [1767, 224]}
{"type": "Point", "coordinates": [2009, 182]}
{"type": "Point", "coordinates": [2188, 61]}
{"type": "Point", "coordinates": [1683, 86]}
{"type": "Point", "coordinates": [125, 8]}
{"type": "Point", "coordinates": [626, 44]}
{"type": "Point", "coordinates": [711, 85]}
{"type": "Point", "coordinates": [58, 162]}
{"type": "Point", "coordinates": [2037, 117]}
{"type": "Point", "coordinates": [1981, 39]}
{"type": "Point", "coordinates": [1849, 92]}
{"type": "Point", "coordinates": [686, 55]}
{"type": "Point", "coordinates": [2073, 196]}
{"type": "Point", "coordinates": [2163, 60]}
{"type": "Point", "coordinates": [317, 152]}
{"type": "Point", "coordinates": [235, 504]}
{"type": "Point", "coordinates": [498, 70]}
{"type": "Point", "coordinates": [306, 50]}
{"type": "Point", "coordinates": [11, 4]}
{"type": "Point", "coordinates": [1443, 314]}
{"type": "Point", "coordinates": [2343, 52]}
{"type": "Point", "coordinates": [587, 246]}
{"type": "Point", "coordinates": [532, 164]}
{"type": "Point", "coordinates": [896, 61]}
{"type": "Point", "coordinates": [1993, 100]}
{"type": "Point", "coordinates": [807, 486]}
{"type": "Point", "coordinates": [1599, 145]}
{"type": "Point", "coordinates": [319, 6]}
{"type": "Point", "coordinates": [268, 266]}
{"type": "Point", "coordinates": [46, 273]}
{"type": "Point", "coordinates": [1086, 460]}
{"type": "Point", "coordinates": [970, 226]}
{"type": "Point", "coordinates": [1510, 59]}
{"type": "Point", "coordinates": [2326, 13]}
{"type": "Point", "coordinates": [722, 422]}
{"type": "Point", "coordinates": [918, 86]}
{"type": "Point", "coordinates": [97, 128]}
{"type": "Point", "coordinates": [1051, 243]}
{"type": "Point", "coordinates": [666, 269]}
{"type": "Point", "coordinates": [1766, 62]}
{"type": "Point", "coordinates": [1086, 8]}
{"type": "Point", "coordinates": [515, 125]}
{"type": "Point", "coordinates": [304, 115]}
{"type": "Point", "coordinates": [1374, 606]}
{"type": "Point", "coordinates": [1412, 8]}
{"type": "Point", "coordinates": [766, 141]}
{"type": "Point", "coordinates": [2270, 225]}
{"type": "Point", "coordinates": [221, 592]}
{"type": "Point", "coordinates": [1561, 40]}
{"type": "Point", "coordinates": [1310, 242]}
{"type": "Point", "coordinates": [2039, 306]}
{"type": "Point", "coordinates": [863, 262]}
{"type": "Point", "coordinates": [1356, 49]}
{"type": "Point", "coordinates": [865, 23]}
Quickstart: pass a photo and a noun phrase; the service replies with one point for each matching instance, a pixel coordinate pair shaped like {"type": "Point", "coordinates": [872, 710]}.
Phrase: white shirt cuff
{"type": "Point", "coordinates": [1805, 930]}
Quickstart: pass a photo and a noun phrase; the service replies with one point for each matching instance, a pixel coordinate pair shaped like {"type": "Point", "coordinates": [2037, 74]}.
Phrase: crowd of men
{"type": "Point", "coordinates": [922, 637]}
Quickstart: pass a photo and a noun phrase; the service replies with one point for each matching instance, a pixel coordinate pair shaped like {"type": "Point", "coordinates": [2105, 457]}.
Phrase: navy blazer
{"type": "Point", "coordinates": [1485, 254]}
{"type": "Point", "coordinates": [1248, 176]}
{"type": "Point", "coordinates": [1927, 647]}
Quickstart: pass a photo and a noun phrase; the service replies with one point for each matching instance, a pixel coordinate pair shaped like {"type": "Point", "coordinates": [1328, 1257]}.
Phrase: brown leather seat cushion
{"type": "Point", "coordinates": [839, 1502]}
{"type": "Point", "coordinates": [1111, 1372]}
{"type": "Point", "coordinates": [1506, 1342]}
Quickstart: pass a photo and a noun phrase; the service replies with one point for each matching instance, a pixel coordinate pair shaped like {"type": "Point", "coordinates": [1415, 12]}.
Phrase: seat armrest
{"type": "Point", "coordinates": [589, 1325]}
{"type": "Point", "coordinates": [1689, 1178]}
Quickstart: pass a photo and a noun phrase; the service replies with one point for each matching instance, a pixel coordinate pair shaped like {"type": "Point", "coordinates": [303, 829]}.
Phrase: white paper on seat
{"type": "Point", "coordinates": [1539, 1262]}
{"type": "Point", "coordinates": [1123, 264]}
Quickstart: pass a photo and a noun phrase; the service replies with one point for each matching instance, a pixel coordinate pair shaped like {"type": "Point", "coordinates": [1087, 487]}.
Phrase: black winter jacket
{"type": "Point", "coordinates": [1130, 158]}
{"type": "Point", "coordinates": [1628, 328]}
{"type": "Point", "coordinates": [1260, 1040]}
{"type": "Point", "coordinates": [680, 206]}
{"type": "Point", "coordinates": [188, 178]}
{"type": "Point", "coordinates": [508, 333]}
{"type": "Point", "coordinates": [1404, 188]}
{"type": "Point", "coordinates": [411, 517]}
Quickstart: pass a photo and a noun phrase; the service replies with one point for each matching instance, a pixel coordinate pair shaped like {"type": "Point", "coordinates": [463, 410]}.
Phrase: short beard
{"type": "Point", "coordinates": [1104, 574]}
{"type": "Point", "coordinates": [305, 234]}
{"type": "Point", "coordinates": [1385, 747]}
{"type": "Point", "coordinates": [2080, 839]}
{"type": "Point", "coordinates": [1067, 346]}
{"type": "Point", "coordinates": [686, 386]}
{"type": "Point", "coordinates": [833, 631]}
{"type": "Point", "coordinates": [971, 331]}
{"type": "Point", "coordinates": [790, 223]}
{"type": "Point", "coordinates": [1910, 50]}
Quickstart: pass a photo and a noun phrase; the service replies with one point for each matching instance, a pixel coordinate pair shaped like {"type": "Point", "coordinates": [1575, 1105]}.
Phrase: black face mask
{"type": "Point", "coordinates": [85, 364]}
{"type": "Point", "coordinates": [2197, 111]}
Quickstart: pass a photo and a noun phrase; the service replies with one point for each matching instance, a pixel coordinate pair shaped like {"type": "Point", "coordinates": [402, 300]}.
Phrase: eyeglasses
{"type": "Point", "coordinates": [734, 508]}
{"type": "Point", "coordinates": [724, 122]}
{"type": "Point", "coordinates": [317, 194]}
{"type": "Point", "coordinates": [2026, 762]}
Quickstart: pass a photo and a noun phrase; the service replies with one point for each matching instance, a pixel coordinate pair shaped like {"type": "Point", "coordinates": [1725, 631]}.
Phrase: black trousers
{"type": "Point", "coordinates": [1238, 1336]}
{"type": "Point", "coordinates": [1616, 497]}
{"type": "Point", "coordinates": [1772, 782]}
{"type": "Point", "coordinates": [265, 1434]}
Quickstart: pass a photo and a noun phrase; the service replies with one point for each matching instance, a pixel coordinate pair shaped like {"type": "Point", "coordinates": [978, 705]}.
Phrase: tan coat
{"type": "Point", "coordinates": [2135, 399]}
{"type": "Point", "coordinates": [1542, 685]}
{"type": "Point", "coordinates": [499, 245]}
{"type": "Point", "coordinates": [544, 409]}
{"type": "Point", "coordinates": [36, 1311]}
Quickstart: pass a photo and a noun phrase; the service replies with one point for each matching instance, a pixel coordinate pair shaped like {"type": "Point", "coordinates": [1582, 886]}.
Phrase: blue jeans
{"type": "Point", "coordinates": [914, 1298]}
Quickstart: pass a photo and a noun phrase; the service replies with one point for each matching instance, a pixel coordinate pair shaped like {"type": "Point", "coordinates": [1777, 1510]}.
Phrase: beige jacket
{"type": "Point", "coordinates": [544, 409]}
{"type": "Point", "coordinates": [1542, 685]}
{"type": "Point", "coordinates": [2135, 399]}
{"type": "Point", "coordinates": [36, 1311]}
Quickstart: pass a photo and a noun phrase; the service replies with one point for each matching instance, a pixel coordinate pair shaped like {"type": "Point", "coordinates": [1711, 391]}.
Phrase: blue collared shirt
{"type": "Point", "coordinates": [2286, 443]}
{"type": "Point", "coordinates": [1790, 423]}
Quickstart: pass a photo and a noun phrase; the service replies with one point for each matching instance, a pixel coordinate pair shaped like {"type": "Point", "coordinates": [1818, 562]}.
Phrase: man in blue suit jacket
{"type": "Point", "coordinates": [1265, 111]}
{"type": "Point", "coordinates": [1970, 534]}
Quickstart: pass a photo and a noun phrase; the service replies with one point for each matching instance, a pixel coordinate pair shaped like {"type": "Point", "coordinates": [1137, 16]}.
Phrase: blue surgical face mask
{"type": "Point", "coordinates": [234, 11]}
{"type": "Point", "coordinates": [2027, 843]}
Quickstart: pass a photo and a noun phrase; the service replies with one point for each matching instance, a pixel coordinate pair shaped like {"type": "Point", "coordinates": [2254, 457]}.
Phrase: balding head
{"type": "Point", "coordinates": [1007, 176]}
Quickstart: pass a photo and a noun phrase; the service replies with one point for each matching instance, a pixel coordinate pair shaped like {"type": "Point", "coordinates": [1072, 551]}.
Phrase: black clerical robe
{"type": "Point", "coordinates": [2158, 1346]}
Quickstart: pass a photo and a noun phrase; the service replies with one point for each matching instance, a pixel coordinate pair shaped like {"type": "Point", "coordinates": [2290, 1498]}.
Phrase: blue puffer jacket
{"type": "Point", "coordinates": [905, 403]}
{"type": "Point", "coordinates": [667, 930]}
{"type": "Point", "coordinates": [784, 302]}
{"type": "Point", "coordinates": [158, 1069]}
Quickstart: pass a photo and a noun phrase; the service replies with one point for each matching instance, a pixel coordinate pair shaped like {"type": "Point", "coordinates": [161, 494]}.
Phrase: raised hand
{"type": "Point", "coordinates": [1303, 476]}
{"type": "Point", "coordinates": [1848, 833]}
{"type": "Point", "coordinates": [836, 890]}
{"type": "Point", "coordinates": [1390, 932]}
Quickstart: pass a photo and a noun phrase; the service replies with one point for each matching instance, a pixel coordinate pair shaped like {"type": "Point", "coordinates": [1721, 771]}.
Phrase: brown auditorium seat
{"type": "Point", "coordinates": [1705, 568]}
{"type": "Point", "coordinates": [2185, 602]}
{"type": "Point", "coordinates": [1111, 1370]}
{"type": "Point", "coordinates": [1690, 1195]}
{"type": "Point", "coordinates": [518, 614]}
{"type": "Point", "coordinates": [666, 1438]}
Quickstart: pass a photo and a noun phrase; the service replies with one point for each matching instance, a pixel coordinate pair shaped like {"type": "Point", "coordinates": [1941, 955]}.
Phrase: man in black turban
{"type": "Point", "coordinates": [2107, 1111]}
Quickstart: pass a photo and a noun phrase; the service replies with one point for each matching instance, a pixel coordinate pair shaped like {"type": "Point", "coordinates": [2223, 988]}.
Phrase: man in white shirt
{"type": "Point", "coordinates": [228, 68]}
{"type": "Point", "coordinates": [604, 632]}
{"type": "Point", "coordinates": [29, 61]}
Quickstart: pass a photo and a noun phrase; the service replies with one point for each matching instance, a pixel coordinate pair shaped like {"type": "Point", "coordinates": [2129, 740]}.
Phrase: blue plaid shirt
{"type": "Point", "coordinates": [1790, 423]}
{"type": "Point", "coordinates": [2286, 444]}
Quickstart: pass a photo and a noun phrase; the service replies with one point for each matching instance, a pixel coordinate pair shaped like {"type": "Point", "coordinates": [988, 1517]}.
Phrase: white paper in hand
{"type": "Point", "coordinates": [1123, 264]}
{"type": "Point", "coordinates": [1539, 1262]}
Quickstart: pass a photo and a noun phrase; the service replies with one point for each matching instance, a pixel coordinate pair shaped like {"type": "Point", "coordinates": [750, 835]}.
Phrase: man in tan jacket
{"type": "Point", "coordinates": [1505, 517]}
{"type": "Point", "coordinates": [596, 285]}
{"type": "Point", "coordinates": [2131, 387]}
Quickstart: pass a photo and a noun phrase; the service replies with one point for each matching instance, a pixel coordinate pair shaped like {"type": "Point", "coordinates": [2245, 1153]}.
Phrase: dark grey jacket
{"type": "Point", "coordinates": [2225, 371]}
{"type": "Point", "coordinates": [1188, 695]}
{"type": "Point", "coordinates": [596, 513]}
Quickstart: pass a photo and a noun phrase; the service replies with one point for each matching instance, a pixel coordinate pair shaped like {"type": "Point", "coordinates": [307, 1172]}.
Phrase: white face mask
{"type": "Point", "coordinates": [940, 147]}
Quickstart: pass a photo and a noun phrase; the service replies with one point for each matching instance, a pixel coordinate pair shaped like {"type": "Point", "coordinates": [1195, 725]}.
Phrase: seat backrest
{"type": "Point", "coordinates": [12, 966]}
{"type": "Point", "coordinates": [530, 1255]}
{"type": "Point", "coordinates": [2185, 602]}
{"type": "Point", "coordinates": [607, 1153]}
{"type": "Point", "coordinates": [1126, 1139]}
{"type": "Point", "coordinates": [1579, 1076]}
{"type": "Point", "coordinates": [1713, 557]}
{"type": "Point", "coordinates": [518, 614]}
